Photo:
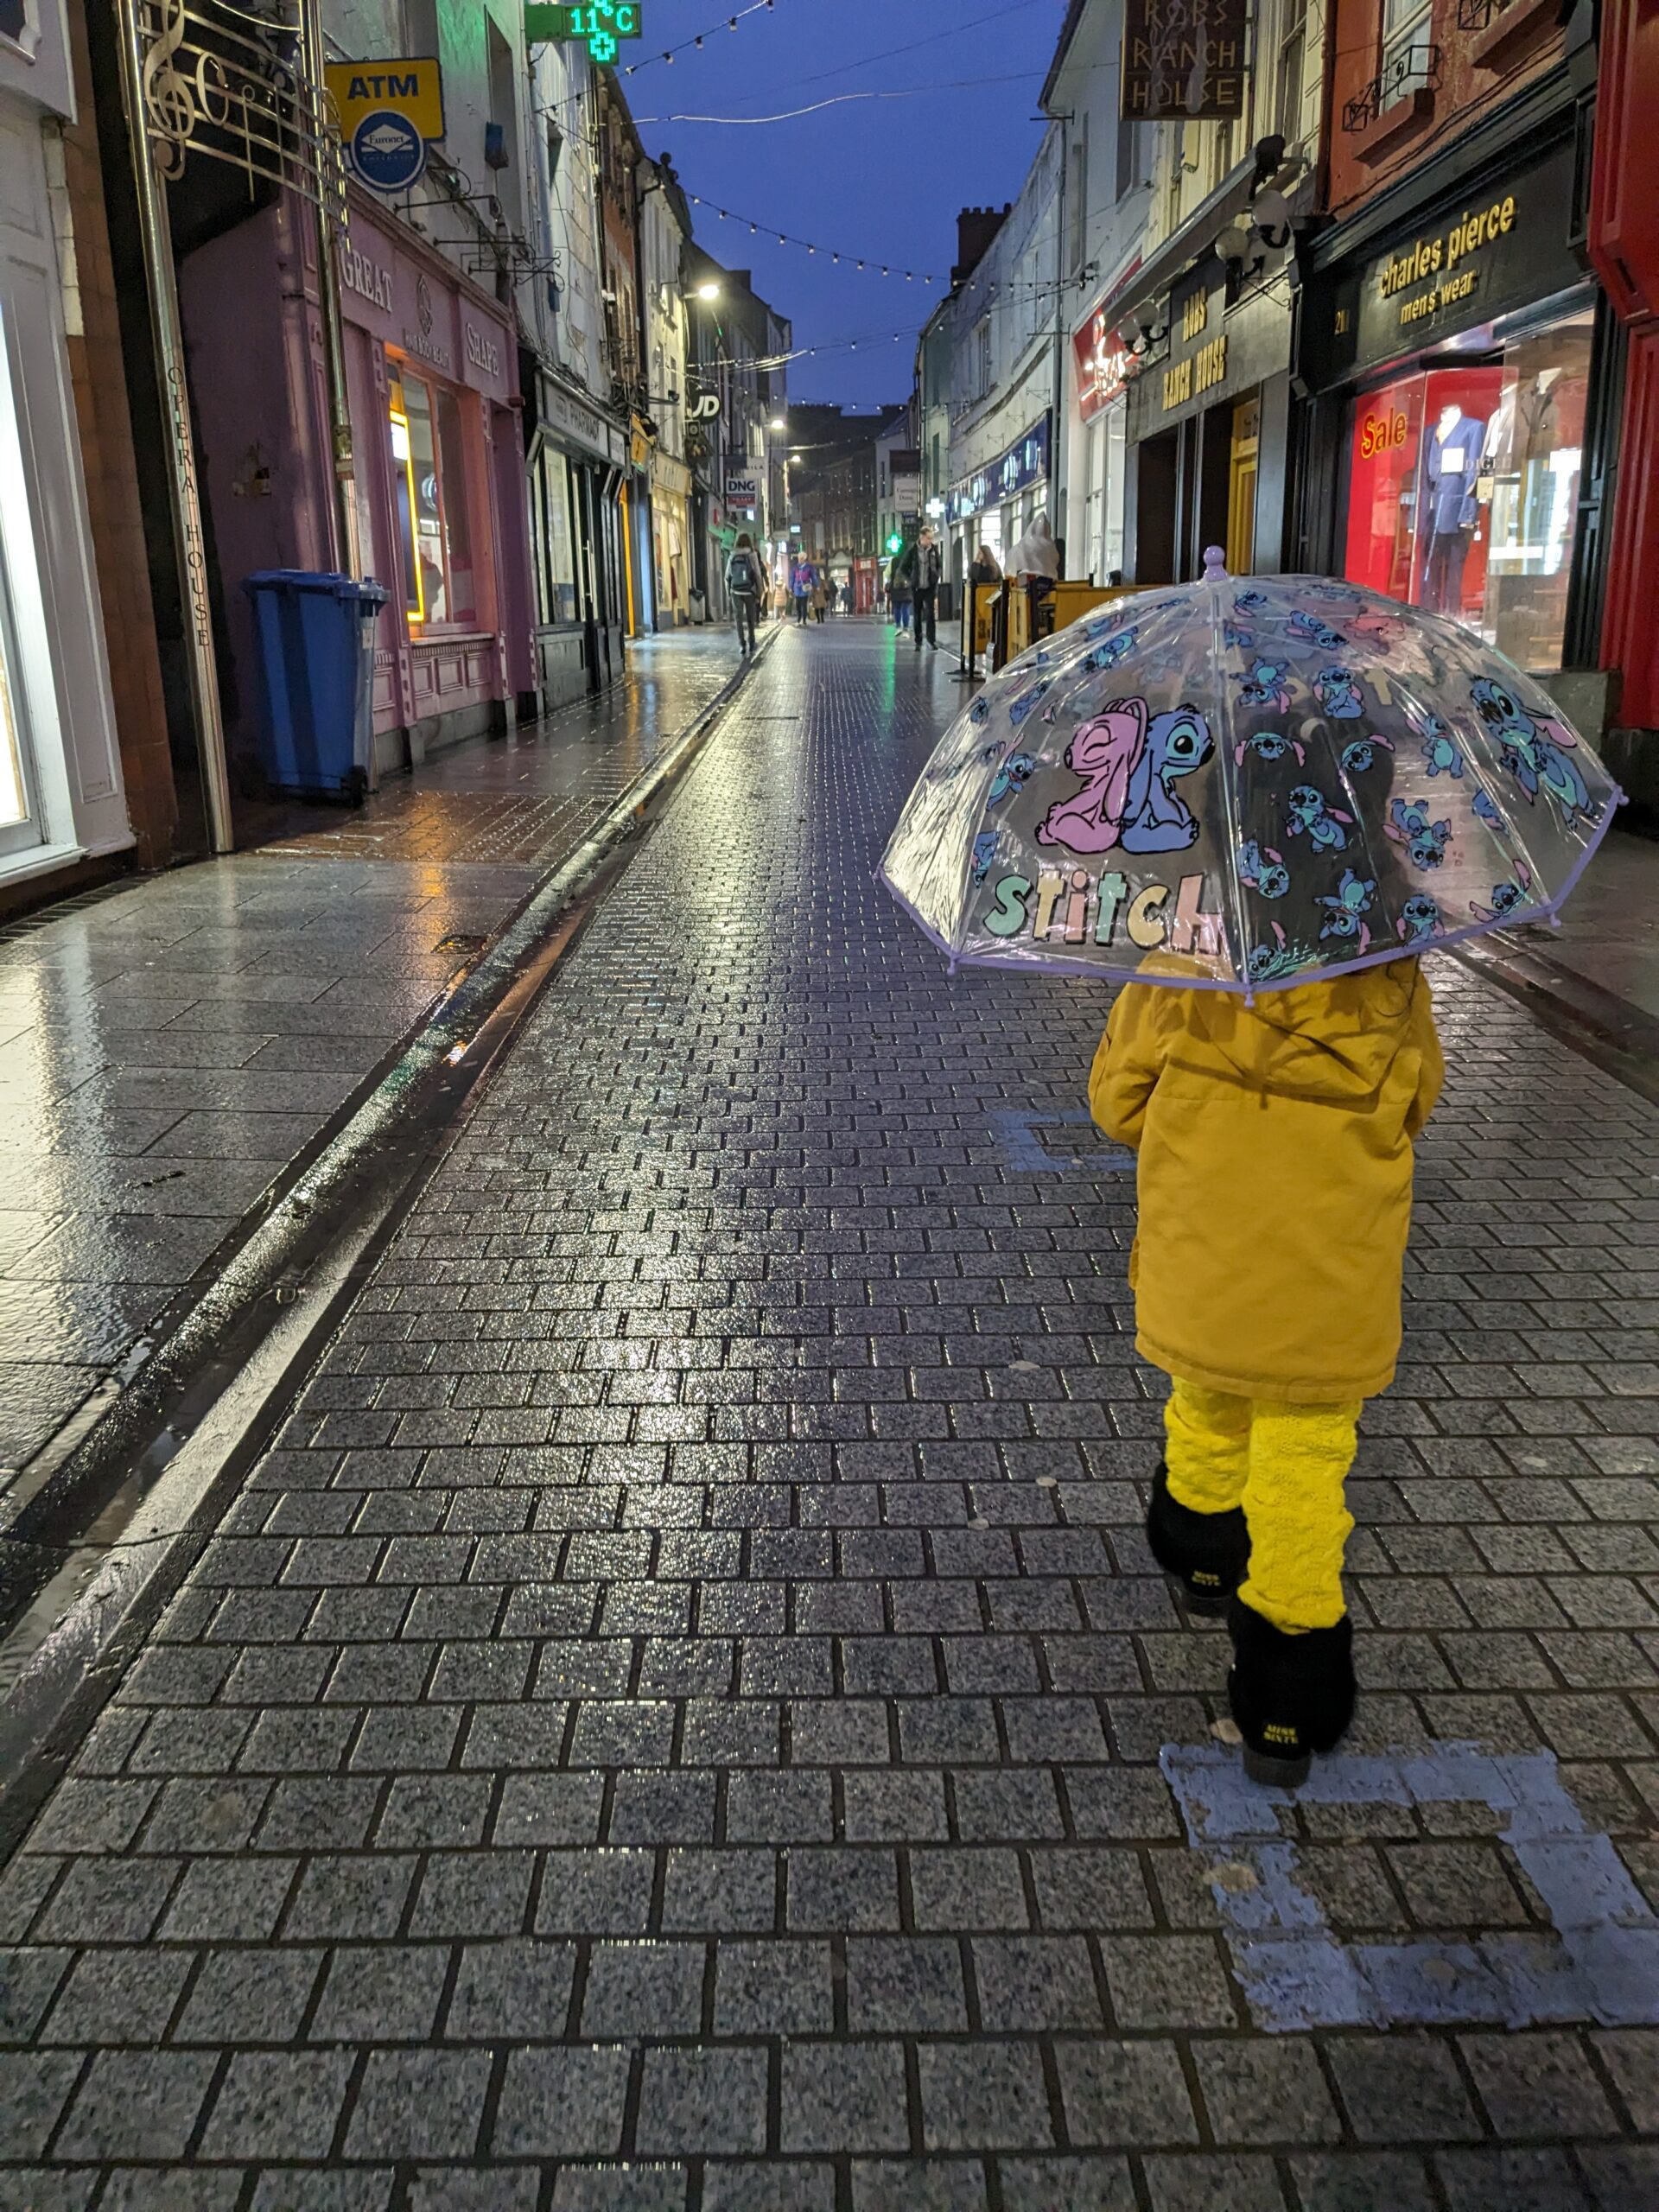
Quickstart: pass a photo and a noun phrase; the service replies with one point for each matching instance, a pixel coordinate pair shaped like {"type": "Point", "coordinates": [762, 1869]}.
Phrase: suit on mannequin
{"type": "Point", "coordinates": [1451, 462]}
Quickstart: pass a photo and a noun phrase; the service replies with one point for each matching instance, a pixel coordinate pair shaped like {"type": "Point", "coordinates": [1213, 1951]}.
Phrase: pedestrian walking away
{"type": "Point", "coordinates": [1272, 1057]}
{"type": "Point", "coordinates": [1275, 1316]}
{"type": "Point", "coordinates": [745, 582]}
{"type": "Point", "coordinates": [899, 594]}
{"type": "Point", "coordinates": [820, 600]}
{"type": "Point", "coordinates": [922, 565]}
{"type": "Point", "coordinates": [802, 578]}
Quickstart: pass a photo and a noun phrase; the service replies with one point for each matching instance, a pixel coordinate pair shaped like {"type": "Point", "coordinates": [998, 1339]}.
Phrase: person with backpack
{"type": "Point", "coordinates": [743, 581]}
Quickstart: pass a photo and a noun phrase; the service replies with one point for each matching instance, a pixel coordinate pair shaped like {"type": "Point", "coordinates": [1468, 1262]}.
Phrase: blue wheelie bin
{"type": "Point", "coordinates": [317, 657]}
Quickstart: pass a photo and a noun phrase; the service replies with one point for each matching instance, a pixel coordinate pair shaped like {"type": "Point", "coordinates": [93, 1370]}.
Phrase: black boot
{"type": "Point", "coordinates": [1206, 1552]}
{"type": "Point", "coordinates": [1291, 1695]}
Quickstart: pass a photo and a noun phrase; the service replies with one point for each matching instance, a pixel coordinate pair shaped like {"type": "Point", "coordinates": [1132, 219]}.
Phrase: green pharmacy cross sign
{"type": "Point", "coordinates": [600, 24]}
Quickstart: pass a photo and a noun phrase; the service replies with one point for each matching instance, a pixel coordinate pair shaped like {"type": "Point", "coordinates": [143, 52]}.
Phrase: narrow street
{"type": "Point", "coordinates": [682, 1717]}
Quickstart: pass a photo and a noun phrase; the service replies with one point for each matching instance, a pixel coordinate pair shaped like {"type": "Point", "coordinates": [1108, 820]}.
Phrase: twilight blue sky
{"type": "Point", "coordinates": [878, 178]}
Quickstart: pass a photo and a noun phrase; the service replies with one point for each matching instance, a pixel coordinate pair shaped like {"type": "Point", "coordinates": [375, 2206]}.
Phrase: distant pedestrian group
{"type": "Point", "coordinates": [813, 591]}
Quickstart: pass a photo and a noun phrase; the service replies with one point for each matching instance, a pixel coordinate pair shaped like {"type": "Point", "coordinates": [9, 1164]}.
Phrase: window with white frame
{"type": "Point", "coordinates": [1293, 52]}
{"type": "Point", "coordinates": [1406, 28]}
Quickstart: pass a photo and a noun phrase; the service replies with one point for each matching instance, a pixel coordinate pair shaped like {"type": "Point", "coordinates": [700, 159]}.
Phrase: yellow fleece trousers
{"type": "Point", "coordinates": [1285, 1465]}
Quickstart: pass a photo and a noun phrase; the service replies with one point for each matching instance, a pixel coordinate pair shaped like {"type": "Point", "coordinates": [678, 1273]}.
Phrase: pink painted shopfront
{"type": "Point", "coordinates": [432, 371]}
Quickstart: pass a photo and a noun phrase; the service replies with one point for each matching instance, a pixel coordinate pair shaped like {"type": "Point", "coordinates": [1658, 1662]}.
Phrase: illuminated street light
{"type": "Point", "coordinates": [777, 424]}
{"type": "Point", "coordinates": [709, 291]}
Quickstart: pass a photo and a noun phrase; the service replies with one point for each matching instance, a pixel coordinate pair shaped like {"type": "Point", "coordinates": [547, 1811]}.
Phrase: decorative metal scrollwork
{"type": "Point", "coordinates": [230, 84]}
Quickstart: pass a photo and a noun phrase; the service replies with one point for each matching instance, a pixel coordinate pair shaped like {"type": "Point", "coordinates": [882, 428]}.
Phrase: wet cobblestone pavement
{"type": "Point", "coordinates": [683, 1717]}
{"type": "Point", "coordinates": [530, 796]}
{"type": "Point", "coordinates": [166, 1050]}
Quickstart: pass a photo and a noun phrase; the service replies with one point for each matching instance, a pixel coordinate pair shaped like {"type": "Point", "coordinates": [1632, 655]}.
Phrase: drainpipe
{"type": "Point", "coordinates": [1057, 501]}
{"type": "Point", "coordinates": [348, 552]}
{"type": "Point", "coordinates": [189, 542]}
{"type": "Point", "coordinates": [648, 540]}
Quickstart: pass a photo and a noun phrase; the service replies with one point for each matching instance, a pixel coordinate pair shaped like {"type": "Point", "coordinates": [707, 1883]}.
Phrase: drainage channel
{"type": "Point", "coordinates": [105, 1527]}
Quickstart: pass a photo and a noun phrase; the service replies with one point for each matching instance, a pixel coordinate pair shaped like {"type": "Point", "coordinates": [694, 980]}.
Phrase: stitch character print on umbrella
{"type": "Point", "coordinates": [1130, 768]}
{"type": "Point", "coordinates": [1243, 785]}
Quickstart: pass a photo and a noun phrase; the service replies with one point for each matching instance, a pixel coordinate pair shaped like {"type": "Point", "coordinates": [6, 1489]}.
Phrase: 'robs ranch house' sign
{"type": "Point", "coordinates": [1185, 60]}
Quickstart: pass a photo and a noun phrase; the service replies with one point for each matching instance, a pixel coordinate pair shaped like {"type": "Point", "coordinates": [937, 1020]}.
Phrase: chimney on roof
{"type": "Point", "coordinates": [976, 228]}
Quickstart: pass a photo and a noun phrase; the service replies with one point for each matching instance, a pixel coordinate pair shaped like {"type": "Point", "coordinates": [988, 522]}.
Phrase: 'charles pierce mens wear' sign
{"type": "Point", "coordinates": [1184, 60]}
{"type": "Point", "coordinates": [1484, 256]}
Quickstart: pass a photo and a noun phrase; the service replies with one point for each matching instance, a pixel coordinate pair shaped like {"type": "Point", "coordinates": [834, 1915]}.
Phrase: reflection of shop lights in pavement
{"type": "Point", "coordinates": [457, 1052]}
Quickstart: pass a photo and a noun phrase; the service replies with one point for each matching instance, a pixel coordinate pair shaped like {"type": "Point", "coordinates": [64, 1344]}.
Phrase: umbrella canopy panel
{"type": "Point", "coordinates": [1270, 780]}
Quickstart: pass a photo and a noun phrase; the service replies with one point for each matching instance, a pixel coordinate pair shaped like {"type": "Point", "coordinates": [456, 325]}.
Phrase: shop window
{"type": "Point", "coordinates": [421, 27]}
{"type": "Point", "coordinates": [429, 487]}
{"type": "Point", "coordinates": [1462, 489]}
{"type": "Point", "coordinates": [504, 111]}
{"type": "Point", "coordinates": [556, 554]}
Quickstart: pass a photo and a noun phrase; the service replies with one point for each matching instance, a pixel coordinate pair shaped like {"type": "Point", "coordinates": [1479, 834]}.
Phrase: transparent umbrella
{"type": "Point", "coordinates": [1276, 778]}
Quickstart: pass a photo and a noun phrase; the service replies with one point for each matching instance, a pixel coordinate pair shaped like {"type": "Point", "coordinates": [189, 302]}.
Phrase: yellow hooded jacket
{"type": "Point", "coordinates": [1274, 1146]}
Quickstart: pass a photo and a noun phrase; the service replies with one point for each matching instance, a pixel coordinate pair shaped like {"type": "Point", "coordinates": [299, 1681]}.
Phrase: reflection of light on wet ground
{"type": "Point", "coordinates": [537, 790]}
{"type": "Point", "coordinates": [168, 1047]}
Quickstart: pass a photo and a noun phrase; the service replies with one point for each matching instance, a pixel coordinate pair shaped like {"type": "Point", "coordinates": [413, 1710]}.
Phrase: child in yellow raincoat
{"type": "Point", "coordinates": [1274, 1173]}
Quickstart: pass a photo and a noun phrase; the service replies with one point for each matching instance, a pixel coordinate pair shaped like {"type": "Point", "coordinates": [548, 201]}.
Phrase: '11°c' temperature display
{"type": "Point", "coordinates": [601, 24]}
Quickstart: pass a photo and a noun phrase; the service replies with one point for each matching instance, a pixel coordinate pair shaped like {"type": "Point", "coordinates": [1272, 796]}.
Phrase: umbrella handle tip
{"type": "Point", "coordinates": [1215, 565]}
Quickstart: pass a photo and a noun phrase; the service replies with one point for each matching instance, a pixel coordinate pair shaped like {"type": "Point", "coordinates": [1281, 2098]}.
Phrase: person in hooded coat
{"type": "Point", "coordinates": [1274, 1173]}
{"type": "Point", "coordinates": [1036, 554]}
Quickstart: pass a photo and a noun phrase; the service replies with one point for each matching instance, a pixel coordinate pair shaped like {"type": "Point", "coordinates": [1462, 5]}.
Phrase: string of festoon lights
{"type": "Point", "coordinates": [870, 340]}
{"type": "Point", "coordinates": [726, 24]}
{"type": "Point", "coordinates": [837, 256]}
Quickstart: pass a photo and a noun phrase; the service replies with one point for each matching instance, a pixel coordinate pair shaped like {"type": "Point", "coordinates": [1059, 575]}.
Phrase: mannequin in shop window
{"type": "Point", "coordinates": [1450, 466]}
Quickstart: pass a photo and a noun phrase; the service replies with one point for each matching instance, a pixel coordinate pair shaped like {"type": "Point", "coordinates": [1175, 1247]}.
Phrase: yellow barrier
{"type": "Point", "coordinates": [1032, 611]}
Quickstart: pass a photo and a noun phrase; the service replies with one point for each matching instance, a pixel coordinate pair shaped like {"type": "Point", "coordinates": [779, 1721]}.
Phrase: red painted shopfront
{"type": "Point", "coordinates": [1624, 243]}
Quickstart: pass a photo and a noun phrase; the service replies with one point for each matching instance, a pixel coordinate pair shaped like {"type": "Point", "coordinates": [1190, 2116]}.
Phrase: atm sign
{"type": "Point", "coordinates": [412, 89]}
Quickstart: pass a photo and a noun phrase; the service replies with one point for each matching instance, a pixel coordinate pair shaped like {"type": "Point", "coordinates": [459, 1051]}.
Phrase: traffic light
{"type": "Point", "coordinates": [895, 542]}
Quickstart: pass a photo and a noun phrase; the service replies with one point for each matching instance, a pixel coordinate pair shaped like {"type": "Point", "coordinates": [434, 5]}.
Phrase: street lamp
{"type": "Point", "coordinates": [708, 291]}
{"type": "Point", "coordinates": [777, 424]}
